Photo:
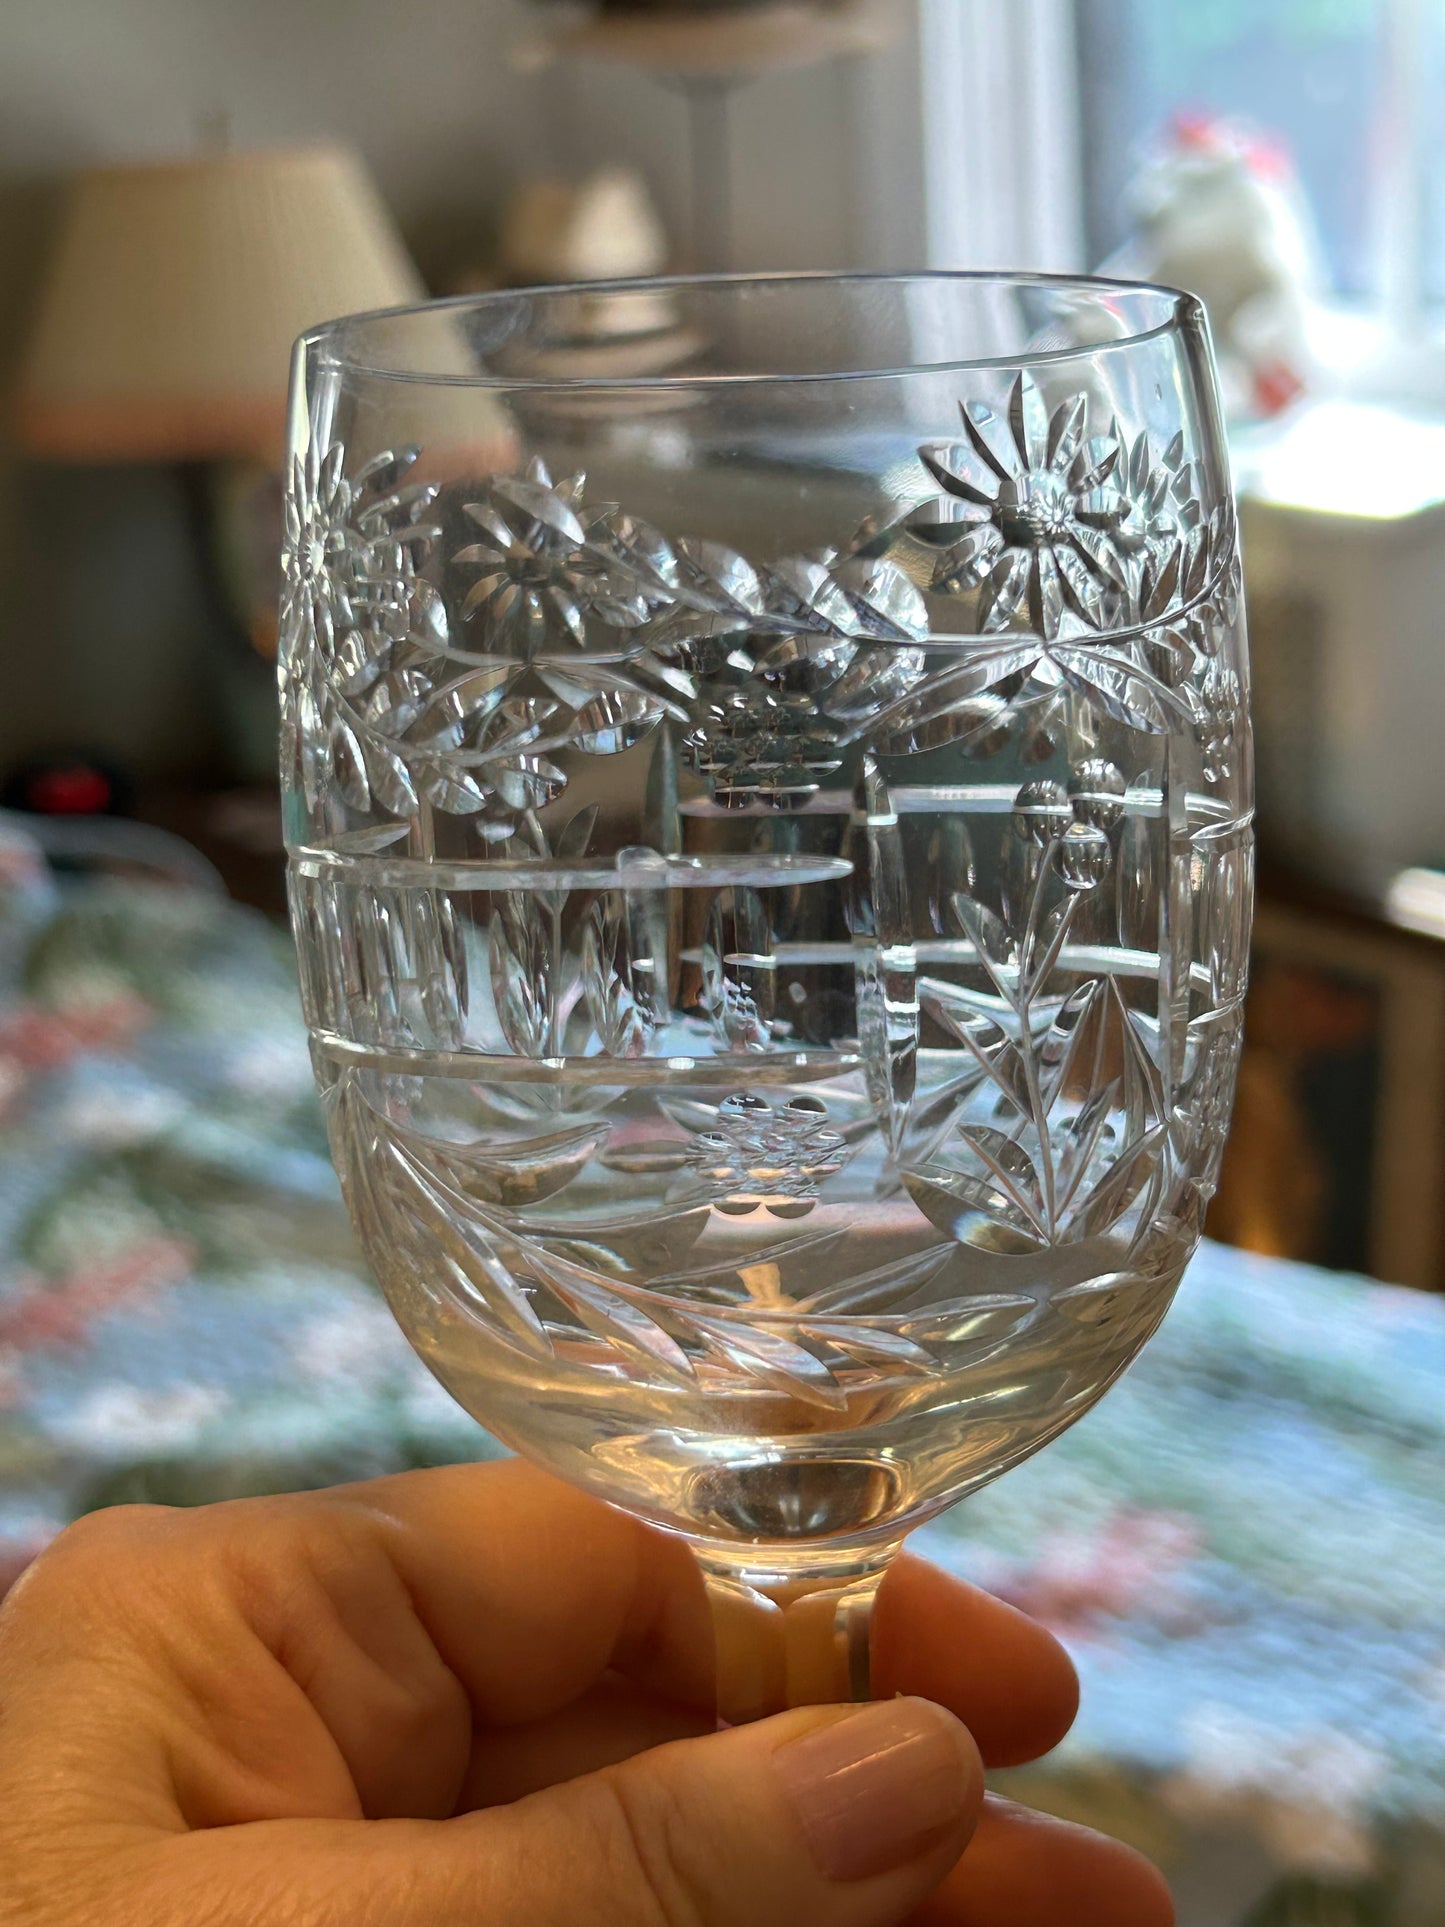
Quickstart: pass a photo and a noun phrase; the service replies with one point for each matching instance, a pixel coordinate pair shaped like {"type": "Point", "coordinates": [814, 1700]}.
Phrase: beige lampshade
{"type": "Point", "coordinates": [176, 291]}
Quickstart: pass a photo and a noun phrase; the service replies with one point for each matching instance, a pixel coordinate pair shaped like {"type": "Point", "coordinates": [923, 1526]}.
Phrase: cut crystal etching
{"type": "Point", "coordinates": [774, 968]}
{"type": "Point", "coordinates": [756, 1155]}
{"type": "Point", "coordinates": [580, 624]}
{"type": "Point", "coordinates": [1029, 511]}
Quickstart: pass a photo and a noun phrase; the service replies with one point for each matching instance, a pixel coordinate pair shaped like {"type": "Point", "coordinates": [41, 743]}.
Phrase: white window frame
{"type": "Point", "coordinates": [1392, 348]}
{"type": "Point", "coordinates": [967, 138]}
{"type": "Point", "coordinates": [1002, 184]}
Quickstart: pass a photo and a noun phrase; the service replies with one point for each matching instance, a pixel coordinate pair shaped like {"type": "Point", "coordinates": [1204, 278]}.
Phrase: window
{"type": "Point", "coordinates": [999, 98]}
{"type": "Point", "coordinates": [1036, 114]}
{"type": "Point", "coordinates": [1354, 89]}
{"type": "Point", "coordinates": [1307, 71]}
{"type": "Point", "coordinates": [1045, 108]}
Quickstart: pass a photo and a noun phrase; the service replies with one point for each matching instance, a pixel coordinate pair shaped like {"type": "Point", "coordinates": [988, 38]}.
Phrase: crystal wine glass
{"type": "Point", "coordinates": [767, 785]}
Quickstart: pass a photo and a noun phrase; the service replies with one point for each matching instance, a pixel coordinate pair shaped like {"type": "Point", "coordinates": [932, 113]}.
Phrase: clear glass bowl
{"type": "Point", "coordinates": [768, 792]}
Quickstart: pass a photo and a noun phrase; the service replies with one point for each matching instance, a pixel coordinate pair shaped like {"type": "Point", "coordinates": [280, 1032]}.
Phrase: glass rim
{"type": "Point", "coordinates": [1182, 308]}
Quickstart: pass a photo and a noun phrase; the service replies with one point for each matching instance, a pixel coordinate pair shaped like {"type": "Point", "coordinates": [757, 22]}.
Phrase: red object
{"type": "Point", "coordinates": [70, 789]}
{"type": "Point", "coordinates": [1269, 158]}
{"type": "Point", "coordinates": [1275, 386]}
{"type": "Point", "coordinates": [1194, 130]}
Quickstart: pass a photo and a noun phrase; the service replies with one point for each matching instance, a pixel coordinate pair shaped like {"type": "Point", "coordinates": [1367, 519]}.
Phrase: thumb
{"type": "Point", "coordinates": [844, 1816]}
{"type": "Point", "coordinates": [841, 1817]}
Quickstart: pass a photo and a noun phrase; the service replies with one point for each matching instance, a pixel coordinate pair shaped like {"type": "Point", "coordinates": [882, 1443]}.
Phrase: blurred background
{"type": "Point", "coordinates": [1246, 1546]}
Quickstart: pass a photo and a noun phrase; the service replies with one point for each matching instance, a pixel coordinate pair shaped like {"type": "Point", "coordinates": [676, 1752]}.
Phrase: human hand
{"type": "Point", "coordinates": [475, 1696]}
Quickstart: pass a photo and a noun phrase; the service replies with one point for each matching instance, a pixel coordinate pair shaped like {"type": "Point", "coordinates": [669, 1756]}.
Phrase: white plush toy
{"type": "Point", "coordinates": [1217, 208]}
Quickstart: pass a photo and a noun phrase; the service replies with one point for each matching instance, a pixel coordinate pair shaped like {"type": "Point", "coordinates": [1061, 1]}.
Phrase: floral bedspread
{"type": "Point", "coordinates": [1244, 1546]}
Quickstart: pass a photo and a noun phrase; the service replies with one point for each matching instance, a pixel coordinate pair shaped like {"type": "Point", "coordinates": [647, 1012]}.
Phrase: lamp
{"type": "Point", "coordinates": [164, 335]}
{"type": "Point", "coordinates": [176, 290]}
{"type": "Point", "coordinates": [707, 49]}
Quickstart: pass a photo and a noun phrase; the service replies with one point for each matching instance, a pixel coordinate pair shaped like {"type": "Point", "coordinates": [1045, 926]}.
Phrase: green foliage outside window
{"type": "Point", "coordinates": [1208, 25]}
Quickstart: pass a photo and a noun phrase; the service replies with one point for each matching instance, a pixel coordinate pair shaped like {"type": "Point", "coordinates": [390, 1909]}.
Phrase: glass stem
{"type": "Point", "coordinates": [791, 1633]}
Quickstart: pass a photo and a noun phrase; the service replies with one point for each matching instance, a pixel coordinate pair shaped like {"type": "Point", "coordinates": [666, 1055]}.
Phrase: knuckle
{"type": "Point", "coordinates": [88, 1551]}
{"type": "Point", "coordinates": [112, 1528]}
{"type": "Point", "coordinates": [653, 1856]}
{"type": "Point", "coordinates": [423, 1710]}
{"type": "Point", "coordinates": [436, 1701]}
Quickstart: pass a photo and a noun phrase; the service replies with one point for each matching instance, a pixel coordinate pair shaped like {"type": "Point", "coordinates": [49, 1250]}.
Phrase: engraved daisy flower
{"type": "Point", "coordinates": [1026, 504]}
{"type": "Point", "coordinates": [349, 557]}
{"type": "Point", "coordinates": [537, 574]}
{"type": "Point", "coordinates": [549, 566]}
{"type": "Point", "coordinates": [319, 548]}
{"type": "Point", "coordinates": [1217, 728]}
{"type": "Point", "coordinates": [357, 621]}
{"type": "Point", "coordinates": [1148, 508]}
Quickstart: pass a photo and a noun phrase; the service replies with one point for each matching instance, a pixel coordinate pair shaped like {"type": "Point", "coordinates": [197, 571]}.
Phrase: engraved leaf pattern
{"type": "Point", "coordinates": [538, 976]}
{"type": "Point", "coordinates": [388, 967]}
{"type": "Point", "coordinates": [884, 956]}
{"type": "Point", "coordinates": [1078, 1136]}
{"type": "Point", "coordinates": [624, 970]}
{"type": "Point", "coordinates": [448, 1209]}
{"type": "Point", "coordinates": [739, 970]}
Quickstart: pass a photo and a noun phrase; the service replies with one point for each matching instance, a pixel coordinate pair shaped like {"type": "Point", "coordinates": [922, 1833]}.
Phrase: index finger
{"type": "Point", "coordinates": [532, 1591]}
{"type": "Point", "coordinates": [572, 1588]}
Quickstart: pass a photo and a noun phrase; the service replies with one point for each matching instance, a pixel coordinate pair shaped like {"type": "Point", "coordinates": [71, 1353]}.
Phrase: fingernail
{"type": "Point", "coordinates": [877, 1787]}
